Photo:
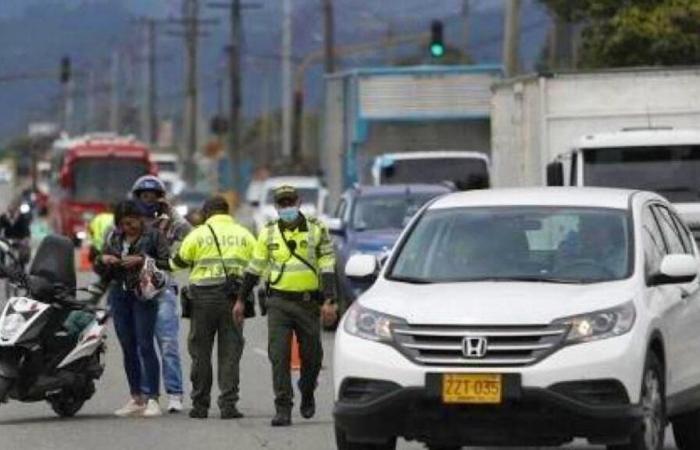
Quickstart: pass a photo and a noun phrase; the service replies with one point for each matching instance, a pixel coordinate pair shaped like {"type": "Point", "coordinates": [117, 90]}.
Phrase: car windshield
{"type": "Point", "coordinates": [387, 212]}
{"type": "Point", "coordinates": [672, 171]}
{"type": "Point", "coordinates": [547, 244]}
{"type": "Point", "coordinates": [463, 172]}
{"type": "Point", "coordinates": [307, 195]}
{"type": "Point", "coordinates": [105, 179]}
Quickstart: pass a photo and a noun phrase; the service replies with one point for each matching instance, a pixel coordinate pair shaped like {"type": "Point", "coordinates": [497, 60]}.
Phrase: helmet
{"type": "Point", "coordinates": [148, 183]}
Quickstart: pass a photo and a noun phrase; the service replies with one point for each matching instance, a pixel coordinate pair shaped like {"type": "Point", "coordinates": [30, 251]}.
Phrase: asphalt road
{"type": "Point", "coordinates": [34, 426]}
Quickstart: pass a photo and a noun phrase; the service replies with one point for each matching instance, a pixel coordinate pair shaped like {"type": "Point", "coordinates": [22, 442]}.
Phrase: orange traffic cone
{"type": "Point", "coordinates": [84, 264]}
{"type": "Point", "coordinates": [295, 360]}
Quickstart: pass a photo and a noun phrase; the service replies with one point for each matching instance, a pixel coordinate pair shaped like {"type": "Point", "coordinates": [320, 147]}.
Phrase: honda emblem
{"type": "Point", "coordinates": [474, 347]}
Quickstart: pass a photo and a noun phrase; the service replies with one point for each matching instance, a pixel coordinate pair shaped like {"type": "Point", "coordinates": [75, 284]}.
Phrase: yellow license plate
{"type": "Point", "coordinates": [472, 388]}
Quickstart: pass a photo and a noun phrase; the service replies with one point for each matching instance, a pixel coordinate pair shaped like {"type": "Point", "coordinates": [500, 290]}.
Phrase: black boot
{"type": "Point", "coordinates": [199, 413]}
{"type": "Point", "coordinates": [231, 413]}
{"type": "Point", "coordinates": [308, 405]}
{"type": "Point", "coordinates": [283, 418]}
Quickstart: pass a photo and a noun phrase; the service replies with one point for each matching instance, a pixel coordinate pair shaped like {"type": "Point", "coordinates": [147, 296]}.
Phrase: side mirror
{"type": "Point", "coordinates": [675, 269]}
{"type": "Point", "coordinates": [335, 226]}
{"type": "Point", "coordinates": [361, 267]}
{"type": "Point", "coordinates": [555, 174]}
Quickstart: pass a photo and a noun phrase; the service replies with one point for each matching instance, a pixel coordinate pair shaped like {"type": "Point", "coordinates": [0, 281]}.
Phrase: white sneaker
{"type": "Point", "coordinates": [175, 404]}
{"type": "Point", "coordinates": [130, 409]}
{"type": "Point", "coordinates": [152, 409]}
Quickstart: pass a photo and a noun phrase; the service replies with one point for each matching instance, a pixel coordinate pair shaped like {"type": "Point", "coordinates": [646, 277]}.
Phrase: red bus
{"type": "Point", "coordinates": [89, 173]}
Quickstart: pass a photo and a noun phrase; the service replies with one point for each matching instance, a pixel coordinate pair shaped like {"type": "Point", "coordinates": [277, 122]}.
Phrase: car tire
{"type": "Point", "coordinates": [651, 435]}
{"type": "Point", "coordinates": [686, 430]}
{"type": "Point", "coordinates": [343, 444]}
{"type": "Point", "coordinates": [5, 386]}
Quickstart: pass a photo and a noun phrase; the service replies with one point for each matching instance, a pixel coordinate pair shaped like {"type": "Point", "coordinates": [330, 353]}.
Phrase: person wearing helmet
{"type": "Point", "coordinates": [149, 193]}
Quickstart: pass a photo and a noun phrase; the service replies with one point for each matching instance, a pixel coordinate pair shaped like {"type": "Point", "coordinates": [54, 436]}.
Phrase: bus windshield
{"type": "Point", "coordinates": [105, 179]}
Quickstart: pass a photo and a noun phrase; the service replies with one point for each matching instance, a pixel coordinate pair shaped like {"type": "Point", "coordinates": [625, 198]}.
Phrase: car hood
{"type": "Point", "coordinates": [493, 303]}
{"type": "Point", "coordinates": [690, 213]}
{"type": "Point", "coordinates": [375, 240]}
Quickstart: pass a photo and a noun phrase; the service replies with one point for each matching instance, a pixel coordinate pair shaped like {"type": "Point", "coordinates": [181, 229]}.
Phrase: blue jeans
{"type": "Point", "coordinates": [135, 323]}
{"type": "Point", "coordinates": [168, 338]}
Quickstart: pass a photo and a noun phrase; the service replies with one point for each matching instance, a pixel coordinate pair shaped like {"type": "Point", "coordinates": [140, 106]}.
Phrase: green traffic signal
{"type": "Point", "coordinates": [437, 43]}
{"type": "Point", "coordinates": [437, 50]}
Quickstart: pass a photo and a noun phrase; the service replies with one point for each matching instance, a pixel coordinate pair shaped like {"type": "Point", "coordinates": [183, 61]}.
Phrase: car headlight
{"type": "Point", "coordinates": [11, 324]}
{"type": "Point", "coordinates": [369, 324]}
{"type": "Point", "coordinates": [182, 210]}
{"type": "Point", "coordinates": [600, 324]}
{"type": "Point", "coordinates": [25, 208]}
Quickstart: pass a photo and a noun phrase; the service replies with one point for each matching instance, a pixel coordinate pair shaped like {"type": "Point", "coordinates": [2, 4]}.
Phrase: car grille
{"type": "Point", "coordinates": [506, 345]}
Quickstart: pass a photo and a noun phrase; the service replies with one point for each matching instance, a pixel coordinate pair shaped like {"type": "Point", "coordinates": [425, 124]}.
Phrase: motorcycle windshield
{"type": "Point", "coordinates": [54, 261]}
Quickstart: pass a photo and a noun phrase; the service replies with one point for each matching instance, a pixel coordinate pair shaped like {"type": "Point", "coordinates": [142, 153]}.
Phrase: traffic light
{"type": "Point", "coordinates": [218, 125]}
{"type": "Point", "coordinates": [65, 69]}
{"type": "Point", "coordinates": [437, 46]}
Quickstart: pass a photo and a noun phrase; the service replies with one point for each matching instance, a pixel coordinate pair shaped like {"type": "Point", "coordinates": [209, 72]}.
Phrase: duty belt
{"type": "Point", "coordinates": [307, 296]}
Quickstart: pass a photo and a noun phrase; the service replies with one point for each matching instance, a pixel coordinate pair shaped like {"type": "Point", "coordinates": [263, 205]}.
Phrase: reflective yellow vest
{"type": "Point", "coordinates": [98, 228]}
{"type": "Point", "coordinates": [198, 251]}
{"type": "Point", "coordinates": [285, 271]}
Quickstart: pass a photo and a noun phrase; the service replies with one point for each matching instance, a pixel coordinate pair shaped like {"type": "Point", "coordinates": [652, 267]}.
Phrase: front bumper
{"type": "Point", "coordinates": [374, 410]}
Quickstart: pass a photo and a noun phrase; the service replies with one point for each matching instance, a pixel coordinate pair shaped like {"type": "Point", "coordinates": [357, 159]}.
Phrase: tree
{"type": "Point", "coordinates": [620, 33]}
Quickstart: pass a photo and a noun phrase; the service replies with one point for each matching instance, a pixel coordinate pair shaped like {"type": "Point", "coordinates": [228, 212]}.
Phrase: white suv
{"type": "Point", "coordinates": [526, 317]}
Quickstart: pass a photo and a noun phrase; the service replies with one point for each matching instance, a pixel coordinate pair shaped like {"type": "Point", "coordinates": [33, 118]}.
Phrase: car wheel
{"type": "Point", "coordinates": [653, 431]}
{"type": "Point", "coordinates": [343, 444]}
{"type": "Point", "coordinates": [686, 430]}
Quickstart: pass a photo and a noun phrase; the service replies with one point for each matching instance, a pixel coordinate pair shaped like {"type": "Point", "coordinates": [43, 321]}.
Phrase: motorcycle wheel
{"type": "Point", "coordinates": [5, 385]}
{"type": "Point", "coordinates": [66, 406]}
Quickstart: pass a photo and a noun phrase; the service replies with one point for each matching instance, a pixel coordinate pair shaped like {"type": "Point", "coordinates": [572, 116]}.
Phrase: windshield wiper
{"type": "Point", "coordinates": [412, 280]}
{"type": "Point", "coordinates": [529, 279]}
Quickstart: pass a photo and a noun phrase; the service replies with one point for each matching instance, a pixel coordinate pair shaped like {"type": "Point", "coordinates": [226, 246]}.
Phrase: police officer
{"type": "Point", "coordinates": [296, 254]}
{"type": "Point", "coordinates": [217, 251]}
{"type": "Point", "coordinates": [97, 231]}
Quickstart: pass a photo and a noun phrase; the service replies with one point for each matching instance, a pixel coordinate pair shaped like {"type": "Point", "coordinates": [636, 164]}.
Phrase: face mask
{"type": "Point", "coordinates": [148, 209]}
{"type": "Point", "coordinates": [289, 214]}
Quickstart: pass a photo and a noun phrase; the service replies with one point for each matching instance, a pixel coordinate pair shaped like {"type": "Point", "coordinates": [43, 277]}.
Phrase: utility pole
{"type": "Point", "coordinates": [91, 107]}
{"type": "Point", "coordinates": [191, 33]}
{"type": "Point", "coordinates": [465, 26]}
{"type": "Point", "coordinates": [235, 151]}
{"type": "Point", "coordinates": [114, 93]}
{"type": "Point", "coordinates": [191, 15]}
{"type": "Point", "coordinates": [152, 81]}
{"type": "Point", "coordinates": [511, 37]}
{"type": "Point", "coordinates": [287, 79]}
{"type": "Point", "coordinates": [328, 36]}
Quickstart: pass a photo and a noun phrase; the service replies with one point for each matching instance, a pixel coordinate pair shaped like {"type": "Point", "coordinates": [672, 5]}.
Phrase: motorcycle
{"type": "Point", "coordinates": [40, 358]}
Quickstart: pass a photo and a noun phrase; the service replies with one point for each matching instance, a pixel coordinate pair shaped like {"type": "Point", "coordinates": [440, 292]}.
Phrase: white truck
{"type": "Point", "coordinates": [634, 128]}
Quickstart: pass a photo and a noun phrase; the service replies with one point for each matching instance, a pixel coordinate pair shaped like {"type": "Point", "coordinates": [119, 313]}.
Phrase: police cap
{"type": "Point", "coordinates": [285, 192]}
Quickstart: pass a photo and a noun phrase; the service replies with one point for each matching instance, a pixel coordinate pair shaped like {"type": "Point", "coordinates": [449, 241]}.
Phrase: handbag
{"type": "Point", "coordinates": [152, 281]}
{"type": "Point", "coordinates": [232, 286]}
